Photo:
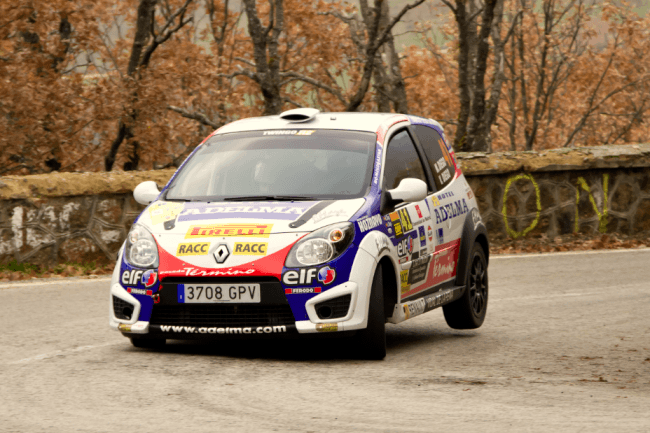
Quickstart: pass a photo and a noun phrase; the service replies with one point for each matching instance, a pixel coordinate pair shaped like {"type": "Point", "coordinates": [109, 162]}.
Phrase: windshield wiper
{"type": "Point", "coordinates": [270, 198]}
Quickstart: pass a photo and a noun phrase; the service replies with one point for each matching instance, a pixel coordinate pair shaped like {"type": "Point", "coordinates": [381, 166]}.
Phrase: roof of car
{"type": "Point", "coordinates": [368, 122]}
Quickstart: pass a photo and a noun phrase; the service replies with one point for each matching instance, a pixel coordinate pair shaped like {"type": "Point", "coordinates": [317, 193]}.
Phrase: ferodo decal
{"type": "Point", "coordinates": [401, 222]}
{"type": "Point", "coordinates": [369, 223]}
{"type": "Point", "coordinates": [131, 277]}
{"type": "Point", "coordinates": [250, 248]}
{"type": "Point", "coordinates": [202, 211]}
{"type": "Point", "coordinates": [302, 290]}
{"type": "Point", "coordinates": [193, 249]}
{"type": "Point", "coordinates": [305, 276]}
{"type": "Point", "coordinates": [134, 291]}
{"type": "Point", "coordinates": [219, 230]}
{"type": "Point", "coordinates": [161, 212]}
{"type": "Point", "coordinates": [450, 210]}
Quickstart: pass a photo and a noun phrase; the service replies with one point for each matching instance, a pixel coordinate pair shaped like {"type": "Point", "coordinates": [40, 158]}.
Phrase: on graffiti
{"type": "Point", "coordinates": [581, 183]}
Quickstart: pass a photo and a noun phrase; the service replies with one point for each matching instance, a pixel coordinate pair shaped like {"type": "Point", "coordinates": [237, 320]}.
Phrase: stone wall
{"type": "Point", "coordinates": [84, 217]}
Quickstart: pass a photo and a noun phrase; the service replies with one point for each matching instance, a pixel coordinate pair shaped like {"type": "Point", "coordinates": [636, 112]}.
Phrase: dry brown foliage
{"type": "Point", "coordinates": [76, 78]}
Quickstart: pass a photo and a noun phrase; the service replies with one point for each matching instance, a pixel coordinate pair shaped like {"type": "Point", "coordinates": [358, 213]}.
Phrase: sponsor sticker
{"type": "Point", "coordinates": [418, 271]}
{"type": "Point", "coordinates": [202, 211]}
{"type": "Point", "coordinates": [306, 276]}
{"type": "Point", "coordinates": [405, 246]}
{"type": "Point", "coordinates": [430, 233]}
{"type": "Point", "coordinates": [214, 330]}
{"type": "Point", "coordinates": [327, 327]}
{"type": "Point", "coordinates": [131, 277]}
{"type": "Point", "coordinates": [164, 211]}
{"type": "Point", "coordinates": [369, 223]}
{"type": "Point", "coordinates": [414, 308]}
{"type": "Point", "coordinates": [401, 222]}
{"type": "Point", "coordinates": [193, 249]}
{"type": "Point", "coordinates": [302, 290]}
{"type": "Point", "coordinates": [423, 236]}
{"type": "Point", "coordinates": [444, 266]}
{"type": "Point", "coordinates": [223, 230]}
{"type": "Point", "coordinates": [134, 291]}
{"type": "Point", "coordinates": [149, 278]}
{"type": "Point", "coordinates": [250, 248]}
{"type": "Point", "coordinates": [440, 236]}
{"type": "Point", "coordinates": [434, 201]}
{"type": "Point", "coordinates": [417, 209]}
{"type": "Point", "coordinates": [404, 280]}
{"type": "Point", "coordinates": [290, 132]}
{"type": "Point", "coordinates": [375, 178]}
{"type": "Point", "coordinates": [451, 210]}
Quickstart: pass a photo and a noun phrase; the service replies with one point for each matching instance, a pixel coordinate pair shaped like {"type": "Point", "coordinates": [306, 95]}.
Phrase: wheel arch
{"type": "Point", "coordinates": [474, 230]}
{"type": "Point", "coordinates": [391, 287]}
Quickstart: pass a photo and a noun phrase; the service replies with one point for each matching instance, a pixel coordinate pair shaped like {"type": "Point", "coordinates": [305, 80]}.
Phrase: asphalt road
{"type": "Point", "coordinates": [565, 347]}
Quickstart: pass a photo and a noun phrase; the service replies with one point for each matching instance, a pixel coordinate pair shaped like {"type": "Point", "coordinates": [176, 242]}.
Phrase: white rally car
{"type": "Point", "coordinates": [305, 223]}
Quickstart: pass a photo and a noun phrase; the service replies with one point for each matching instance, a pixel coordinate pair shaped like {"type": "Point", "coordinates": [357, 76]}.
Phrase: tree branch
{"type": "Point", "coordinates": [199, 117]}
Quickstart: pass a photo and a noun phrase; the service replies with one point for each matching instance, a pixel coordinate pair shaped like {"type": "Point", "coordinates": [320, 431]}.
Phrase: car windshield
{"type": "Point", "coordinates": [278, 165]}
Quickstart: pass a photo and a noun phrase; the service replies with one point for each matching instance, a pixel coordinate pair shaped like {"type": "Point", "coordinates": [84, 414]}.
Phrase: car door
{"type": "Point", "coordinates": [447, 206]}
{"type": "Point", "coordinates": [408, 222]}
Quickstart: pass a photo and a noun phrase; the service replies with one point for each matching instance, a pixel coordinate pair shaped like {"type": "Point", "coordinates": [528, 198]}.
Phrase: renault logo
{"type": "Point", "coordinates": [221, 253]}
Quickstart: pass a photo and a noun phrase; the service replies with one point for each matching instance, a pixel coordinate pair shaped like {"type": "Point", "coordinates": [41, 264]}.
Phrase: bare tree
{"type": "Point", "coordinates": [145, 42]}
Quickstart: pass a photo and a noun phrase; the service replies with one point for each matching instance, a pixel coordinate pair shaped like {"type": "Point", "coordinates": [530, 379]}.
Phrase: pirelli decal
{"type": "Point", "coordinates": [222, 230]}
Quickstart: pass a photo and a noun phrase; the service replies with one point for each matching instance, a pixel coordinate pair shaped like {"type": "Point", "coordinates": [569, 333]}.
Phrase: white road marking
{"type": "Point", "coordinates": [53, 283]}
{"type": "Point", "coordinates": [62, 353]}
{"type": "Point", "coordinates": [566, 253]}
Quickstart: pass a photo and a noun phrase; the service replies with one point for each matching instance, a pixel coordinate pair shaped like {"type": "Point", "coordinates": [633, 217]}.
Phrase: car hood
{"type": "Point", "coordinates": [278, 225]}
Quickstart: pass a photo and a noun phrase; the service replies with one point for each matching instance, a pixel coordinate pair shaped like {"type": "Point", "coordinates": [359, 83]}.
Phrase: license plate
{"type": "Point", "coordinates": [218, 293]}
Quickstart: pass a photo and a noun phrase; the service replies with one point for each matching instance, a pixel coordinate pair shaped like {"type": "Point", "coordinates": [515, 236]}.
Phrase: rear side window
{"type": "Point", "coordinates": [437, 155]}
{"type": "Point", "coordinates": [402, 161]}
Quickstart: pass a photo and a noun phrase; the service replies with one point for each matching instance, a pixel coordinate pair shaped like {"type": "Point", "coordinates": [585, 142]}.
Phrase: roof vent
{"type": "Point", "coordinates": [299, 115]}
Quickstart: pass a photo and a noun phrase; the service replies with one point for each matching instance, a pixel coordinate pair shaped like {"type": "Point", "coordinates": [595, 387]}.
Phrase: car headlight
{"type": "Point", "coordinates": [321, 246]}
{"type": "Point", "coordinates": [141, 249]}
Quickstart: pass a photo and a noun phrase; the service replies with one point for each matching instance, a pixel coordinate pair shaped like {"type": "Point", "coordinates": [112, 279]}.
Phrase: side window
{"type": "Point", "coordinates": [402, 161]}
{"type": "Point", "coordinates": [437, 154]}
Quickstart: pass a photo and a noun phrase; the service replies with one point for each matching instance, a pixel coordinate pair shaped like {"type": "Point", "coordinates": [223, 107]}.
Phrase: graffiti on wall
{"type": "Point", "coordinates": [581, 184]}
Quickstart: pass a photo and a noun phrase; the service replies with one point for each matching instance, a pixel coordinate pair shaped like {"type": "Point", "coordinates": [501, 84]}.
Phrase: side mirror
{"type": "Point", "coordinates": [409, 190]}
{"type": "Point", "coordinates": [146, 192]}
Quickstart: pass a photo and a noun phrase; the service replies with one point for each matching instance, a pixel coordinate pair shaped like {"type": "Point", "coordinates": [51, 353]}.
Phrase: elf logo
{"type": "Point", "coordinates": [405, 246]}
{"type": "Point", "coordinates": [305, 276]}
{"type": "Point", "coordinates": [131, 277]}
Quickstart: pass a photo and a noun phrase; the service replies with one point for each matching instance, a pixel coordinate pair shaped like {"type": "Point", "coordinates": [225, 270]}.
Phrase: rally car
{"type": "Point", "coordinates": [300, 224]}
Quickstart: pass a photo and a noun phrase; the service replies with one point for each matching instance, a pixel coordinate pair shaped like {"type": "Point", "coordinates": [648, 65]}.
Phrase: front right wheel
{"type": "Point", "coordinates": [468, 312]}
{"type": "Point", "coordinates": [370, 343]}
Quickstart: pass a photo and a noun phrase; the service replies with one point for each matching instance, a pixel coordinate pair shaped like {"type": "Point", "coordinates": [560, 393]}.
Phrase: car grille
{"type": "Point", "coordinates": [120, 306]}
{"type": "Point", "coordinates": [334, 308]}
{"type": "Point", "coordinates": [222, 315]}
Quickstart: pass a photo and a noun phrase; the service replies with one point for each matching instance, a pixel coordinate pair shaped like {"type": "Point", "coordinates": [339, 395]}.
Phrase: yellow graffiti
{"type": "Point", "coordinates": [602, 217]}
{"type": "Point", "coordinates": [510, 231]}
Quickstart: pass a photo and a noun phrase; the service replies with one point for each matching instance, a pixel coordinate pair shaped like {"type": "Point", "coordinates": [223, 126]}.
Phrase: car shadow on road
{"type": "Point", "coordinates": [311, 349]}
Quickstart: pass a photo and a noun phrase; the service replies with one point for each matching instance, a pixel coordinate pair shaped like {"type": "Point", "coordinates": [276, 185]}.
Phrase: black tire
{"type": "Point", "coordinates": [148, 342]}
{"type": "Point", "coordinates": [468, 312]}
{"type": "Point", "coordinates": [370, 343]}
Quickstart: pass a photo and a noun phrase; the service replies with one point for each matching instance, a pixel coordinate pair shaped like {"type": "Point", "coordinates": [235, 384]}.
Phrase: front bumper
{"type": "Point", "coordinates": [357, 287]}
